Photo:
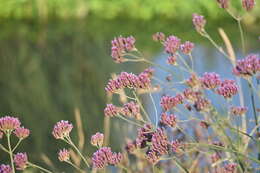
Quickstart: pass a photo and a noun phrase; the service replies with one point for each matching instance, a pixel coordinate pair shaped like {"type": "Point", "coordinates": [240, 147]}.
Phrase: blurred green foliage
{"type": "Point", "coordinates": [141, 9]}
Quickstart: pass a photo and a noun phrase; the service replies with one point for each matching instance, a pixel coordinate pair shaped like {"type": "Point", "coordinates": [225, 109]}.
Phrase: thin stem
{"type": "Point", "coordinates": [155, 109]}
{"type": "Point", "coordinates": [20, 140]}
{"type": "Point", "coordinates": [141, 105]}
{"type": "Point", "coordinates": [192, 63]}
{"type": "Point", "coordinates": [3, 148]}
{"type": "Point", "coordinates": [39, 167]}
{"type": "Point", "coordinates": [158, 65]}
{"type": "Point", "coordinates": [8, 134]}
{"type": "Point", "coordinates": [76, 167]}
{"type": "Point", "coordinates": [129, 121]}
{"type": "Point", "coordinates": [241, 35]}
{"type": "Point", "coordinates": [253, 103]}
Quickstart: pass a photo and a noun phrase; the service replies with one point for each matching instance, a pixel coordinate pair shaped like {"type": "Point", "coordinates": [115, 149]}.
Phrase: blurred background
{"type": "Point", "coordinates": [55, 56]}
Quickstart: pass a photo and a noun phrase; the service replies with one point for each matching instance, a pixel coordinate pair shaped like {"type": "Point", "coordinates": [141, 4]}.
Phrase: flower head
{"type": "Point", "coordinates": [193, 81]}
{"type": "Point", "coordinates": [228, 88]}
{"type": "Point", "coordinates": [5, 168]}
{"type": "Point", "coordinates": [202, 104]}
{"type": "Point", "coordinates": [144, 135]}
{"type": "Point", "coordinates": [152, 156]}
{"type": "Point", "coordinates": [22, 132]}
{"type": "Point", "coordinates": [168, 102]}
{"type": "Point", "coordinates": [121, 45]}
{"type": "Point", "coordinates": [62, 129]}
{"type": "Point", "coordinates": [97, 139]}
{"type": "Point", "coordinates": [20, 160]}
{"type": "Point", "coordinates": [131, 146]}
{"type": "Point", "coordinates": [191, 95]}
{"type": "Point", "coordinates": [230, 168]}
{"type": "Point", "coordinates": [176, 146]}
{"type": "Point", "coordinates": [131, 109]}
{"type": "Point", "coordinates": [248, 66]}
{"type": "Point", "coordinates": [248, 4]}
{"type": "Point", "coordinates": [210, 80]}
{"type": "Point", "coordinates": [199, 22]}
{"type": "Point", "coordinates": [238, 110]}
{"type": "Point", "coordinates": [64, 155]}
{"type": "Point", "coordinates": [223, 3]}
{"type": "Point", "coordinates": [111, 110]}
{"type": "Point", "coordinates": [168, 120]}
{"type": "Point", "coordinates": [172, 44]}
{"type": "Point", "coordinates": [187, 47]}
{"type": "Point", "coordinates": [9, 123]}
{"type": "Point", "coordinates": [160, 142]}
{"type": "Point", "coordinates": [172, 59]}
{"type": "Point", "coordinates": [159, 36]}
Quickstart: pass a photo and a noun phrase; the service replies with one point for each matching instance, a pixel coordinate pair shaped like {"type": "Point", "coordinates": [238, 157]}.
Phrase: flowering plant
{"type": "Point", "coordinates": [207, 141]}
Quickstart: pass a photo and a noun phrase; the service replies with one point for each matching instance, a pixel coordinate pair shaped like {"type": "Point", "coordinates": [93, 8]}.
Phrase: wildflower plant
{"type": "Point", "coordinates": [208, 140]}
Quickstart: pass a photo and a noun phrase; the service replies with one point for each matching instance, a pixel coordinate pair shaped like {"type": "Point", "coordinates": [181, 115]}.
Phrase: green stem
{"type": "Point", "coordinates": [39, 167]}
{"type": "Point", "coordinates": [20, 140]}
{"type": "Point", "coordinates": [129, 121]}
{"type": "Point", "coordinates": [155, 109]}
{"type": "Point", "coordinates": [10, 150]}
{"type": "Point", "coordinates": [76, 167]}
{"type": "Point", "coordinates": [3, 148]}
{"type": "Point", "coordinates": [241, 35]}
{"type": "Point", "coordinates": [141, 105]}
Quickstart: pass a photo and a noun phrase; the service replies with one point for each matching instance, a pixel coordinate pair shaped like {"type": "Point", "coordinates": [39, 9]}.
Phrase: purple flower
{"type": "Point", "coordinates": [172, 60]}
{"type": "Point", "coordinates": [172, 44]}
{"type": "Point", "coordinates": [62, 129]}
{"type": "Point", "coordinates": [193, 81]}
{"type": "Point", "coordinates": [187, 47]}
{"type": "Point", "coordinates": [176, 146]}
{"type": "Point", "coordinates": [111, 110]}
{"type": "Point", "coordinates": [191, 95]}
{"type": "Point", "coordinates": [22, 132]}
{"type": "Point", "coordinates": [20, 160]}
{"type": "Point", "coordinates": [168, 120]}
{"type": "Point", "coordinates": [132, 109]}
{"type": "Point", "coordinates": [223, 3]}
{"type": "Point", "coordinates": [64, 155]}
{"type": "Point", "coordinates": [159, 36]}
{"type": "Point", "coordinates": [248, 4]}
{"type": "Point", "coordinates": [97, 139]}
{"type": "Point", "coordinates": [210, 80]}
{"type": "Point", "coordinates": [238, 110]}
{"type": "Point", "coordinates": [199, 22]}
{"type": "Point", "coordinates": [215, 157]}
{"type": "Point", "coordinates": [230, 168]}
{"type": "Point", "coordinates": [9, 123]}
{"type": "Point", "coordinates": [160, 142]}
{"type": "Point", "coordinates": [228, 88]}
{"type": "Point", "coordinates": [131, 146]}
{"type": "Point", "coordinates": [152, 156]}
{"type": "Point", "coordinates": [144, 135]}
{"type": "Point", "coordinates": [121, 45]}
{"type": "Point", "coordinates": [202, 104]}
{"type": "Point", "coordinates": [104, 156]}
{"type": "Point", "coordinates": [5, 169]}
{"type": "Point", "coordinates": [248, 66]}
{"type": "Point", "coordinates": [168, 102]}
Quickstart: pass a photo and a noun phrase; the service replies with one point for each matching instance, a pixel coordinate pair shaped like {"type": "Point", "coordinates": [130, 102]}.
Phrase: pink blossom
{"type": "Point", "coordinates": [64, 155]}
{"type": "Point", "coordinates": [228, 88]}
{"type": "Point", "coordinates": [176, 146]}
{"type": "Point", "coordinates": [230, 168]}
{"type": "Point", "coordinates": [199, 22]}
{"type": "Point", "coordinates": [172, 60]}
{"type": "Point", "coordinates": [187, 47]}
{"type": "Point", "coordinates": [159, 36]}
{"type": "Point", "coordinates": [168, 102]}
{"type": "Point", "coordinates": [160, 142]}
{"type": "Point", "coordinates": [62, 129]}
{"type": "Point", "coordinates": [132, 109]}
{"type": "Point", "coordinates": [111, 110]}
{"type": "Point", "coordinates": [238, 110]}
{"type": "Point", "coordinates": [22, 132]}
{"type": "Point", "coordinates": [172, 44]}
{"type": "Point", "coordinates": [193, 81]}
{"type": "Point", "coordinates": [5, 168]}
{"type": "Point", "coordinates": [9, 123]}
{"type": "Point", "coordinates": [152, 156]}
{"type": "Point", "coordinates": [202, 104]}
{"type": "Point", "coordinates": [168, 120]}
{"type": "Point", "coordinates": [21, 161]}
{"type": "Point", "coordinates": [223, 3]}
{"type": "Point", "coordinates": [144, 135]}
{"type": "Point", "coordinates": [210, 80]}
{"type": "Point", "coordinates": [97, 139]}
{"type": "Point", "coordinates": [248, 4]}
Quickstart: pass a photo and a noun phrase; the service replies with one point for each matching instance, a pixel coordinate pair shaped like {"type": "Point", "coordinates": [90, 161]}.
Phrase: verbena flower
{"type": "Point", "coordinates": [193, 82]}
{"type": "Point", "coordinates": [111, 110]}
{"type": "Point", "coordinates": [97, 139]}
{"type": "Point", "coordinates": [121, 45]}
{"type": "Point", "coordinates": [131, 109]}
{"type": "Point", "coordinates": [168, 120]}
{"type": "Point", "coordinates": [62, 129]}
{"type": "Point", "coordinates": [168, 102]}
{"type": "Point", "coordinates": [248, 66]}
{"type": "Point", "coordinates": [152, 156]}
{"type": "Point", "coordinates": [187, 47]}
{"type": "Point", "coordinates": [64, 155]}
{"type": "Point", "coordinates": [228, 88]}
{"type": "Point", "coordinates": [210, 80]}
{"type": "Point", "coordinates": [248, 4]}
{"type": "Point", "coordinates": [159, 36]}
{"type": "Point", "coordinates": [104, 156]}
{"type": "Point", "coordinates": [230, 168]}
{"type": "Point", "coordinates": [238, 110]}
{"type": "Point", "coordinates": [131, 146]}
{"type": "Point", "coordinates": [223, 3]}
{"type": "Point", "coordinates": [215, 157]}
{"type": "Point", "coordinates": [144, 135]}
{"type": "Point", "coordinates": [172, 60]}
{"type": "Point", "coordinates": [172, 44]}
{"type": "Point", "coordinates": [191, 95]}
{"type": "Point", "coordinates": [202, 104]}
{"type": "Point", "coordinates": [22, 132]}
{"type": "Point", "coordinates": [21, 161]}
{"type": "Point", "coordinates": [176, 146]}
{"type": "Point", "coordinates": [5, 168]}
{"type": "Point", "coordinates": [199, 22]}
{"type": "Point", "coordinates": [160, 142]}
{"type": "Point", "coordinates": [9, 123]}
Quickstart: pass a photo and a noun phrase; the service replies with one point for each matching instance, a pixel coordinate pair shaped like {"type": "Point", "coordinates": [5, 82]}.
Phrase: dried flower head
{"type": "Point", "coordinates": [131, 146]}
{"type": "Point", "coordinates": [187, 47]}
{"type": "Point", "coordinates": [159, 36]}
{"type": "Point", "coordinates": [238, 110]}
{"type": "Point", "coordinates": [5, 168]}
{"type": "Point", "coordinates": [210, 80]}
{"type": "Point", "coordinates": [223, 3]}
{"type": "Point", "coordinates": [228, 88]}
{"type": "Point", "coordinates": [21, 161]}
{"type": "Point", "coordinates": [172, 59]}
{"type": "Point", "coordinates": [172, 44]}
{"type": "Point", "coordinates": [121, 45]}
{"type": "Point", "coordinates": [97, 139]}
{"type": "Point", "coordinates": [193, 82]}
{"type": "Point", "coordinates": [160, 142]}
{"type": "Point", "coordinates": [104, 156]}
{"type": "Point", "coordinates": [9, 123]}
{"type": "Point", "coordinates": [131, 109]}
{"type": "Point", "coordinates": [111, 110]}
{"type": "Point", "coordinates": [22, 132]}
{"type": "Point", "coordinates": [191, 95]}
{"type": "Point", "coordinates": [248, 5]}
{"type": "Point", "coordinates": [199, 22]}
{"type": "Point", "coordinates": [168, 120]}
{"type": "Point", "coordinates": [248, 66]}
{"type": "Point", "coordinates": [64, 155]}
{"type": "Point", "coordinates": [62, 129]}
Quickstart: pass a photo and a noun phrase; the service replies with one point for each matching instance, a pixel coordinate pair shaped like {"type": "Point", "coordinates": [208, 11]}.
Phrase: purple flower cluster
{"type": "Point", "coordinates": [248, 4]}
{"type": "Point", "coordinates": [169, 102]}
{"type": "Point", "coordinates": [248, 66]}
{"type": "Point", "coordinates": [238, 110]}
{"type": "Point", "coordinates": [111, 110]}
{"type": "Point", "coordinates": [230, 168]}
{"type": "Point", "coordinates": [22, 132]}
{"type": "Point", "coordinates": [223, 3]}
{"type": "Point", "coordinates": [228, 88]}
{"type": "Point", "coordinates": [152, 156]}
{"type": "Point", "coordinates": [172, 44]}
{"type": "Point", "coordinates": [97, 139]}
{"type": "Point", "coordinates": [121, 45]}
{"type": "Point", "coordinates": [199, 22]}
{"type": "Point", "coordinates": [131, 109]}
{"type": "Point", "coordinates": [168, 120]}
{"type": "Point", "coordinates": [5, 168]}
{"type": "Point", "coordinates": [159, 36]}
{"type": "Point", "coordinates": [191, 95]}
{"type": "Point", "coordinates": [202, 104]}
{"type": "Point", "coordinates": [104, 156]}
{"type": "Point", "coordinates": [62, 129]}
{"type": "Point", "coordinates": [64, 155]}
{"type": "Point", "coordinates": [193, 82]}
{"type": "Point", "coordinates": [210, 80]}
{"type": "Point", "coordinates": [9, 123]}
{"type": "Point", "coordinates": [186, 47]}
{"type": "Point", "coordinates": [172, 60]}
{"type": "Point", "coordinates": [129, 80]}
{"type": "Point", "coordinates": [160, 142]}
{"type": "Point", "coordinates": [144, 136]}
{"type": "Point", "coordinates": [176, 146]}
{"type": "Point", "coordinates": [21, 161]}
